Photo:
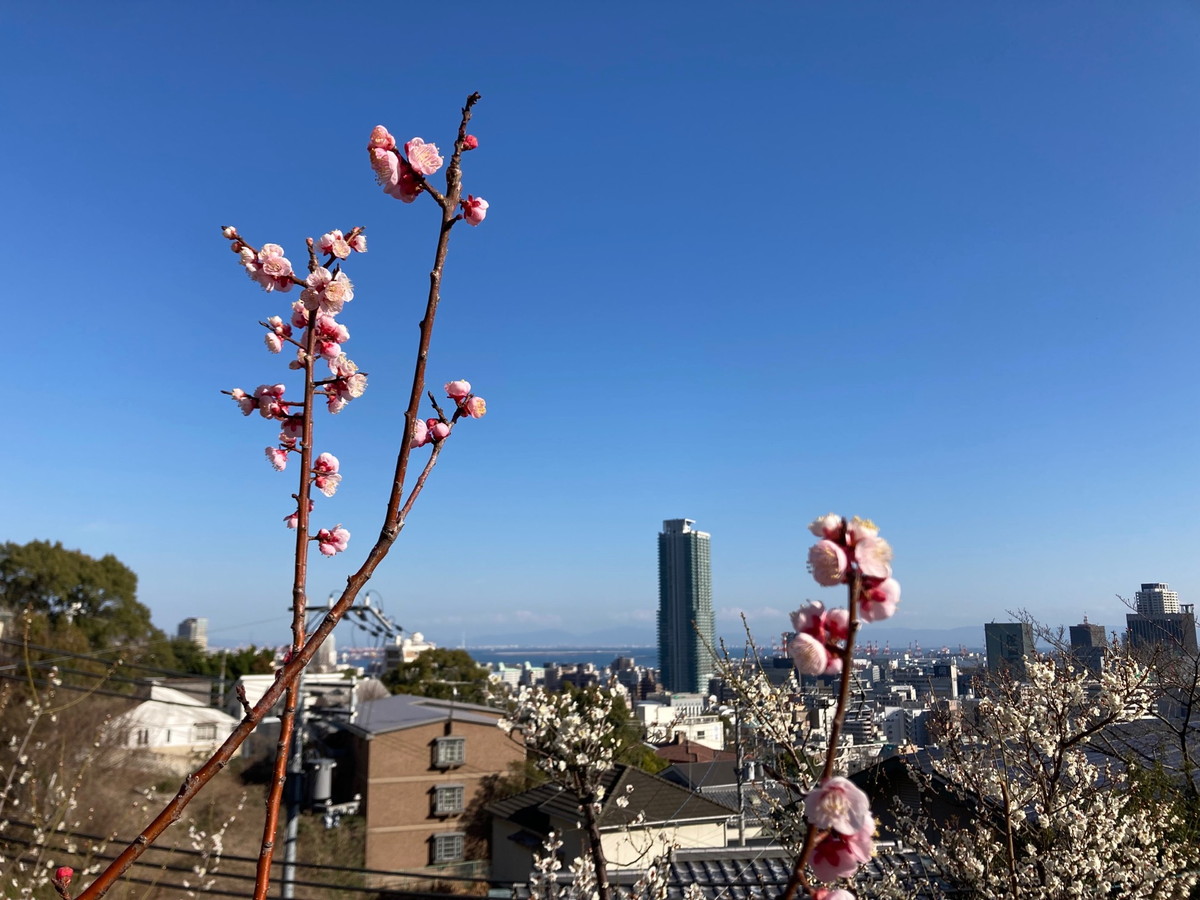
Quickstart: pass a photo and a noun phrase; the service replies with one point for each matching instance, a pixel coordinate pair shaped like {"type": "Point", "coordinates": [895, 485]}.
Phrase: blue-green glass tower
{"type": "Point", "coordinates": [685, 610]}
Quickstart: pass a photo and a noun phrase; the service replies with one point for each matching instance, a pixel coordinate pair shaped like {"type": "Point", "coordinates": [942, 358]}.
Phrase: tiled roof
{"type": "Point", "coordinates": [407, 711]}
{"type": "Point", "coordinates": [660, 800]}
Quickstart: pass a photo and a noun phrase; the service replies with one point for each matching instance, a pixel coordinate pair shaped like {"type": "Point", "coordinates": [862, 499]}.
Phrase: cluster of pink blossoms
{"type": "Point", "coordinates": [325, 293]}
{"type": "Point", "coordinates": [846, 550]}
{"type": "Point", "coordinates": [403, 176]}
{"type": "Point", "coordinates": [842, 813]}
{"type": "Point", "coordinates": [434, 430]}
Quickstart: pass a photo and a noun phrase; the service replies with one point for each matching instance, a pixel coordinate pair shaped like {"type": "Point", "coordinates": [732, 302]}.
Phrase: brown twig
{"type": "Point", "coordinates": [397, 510]}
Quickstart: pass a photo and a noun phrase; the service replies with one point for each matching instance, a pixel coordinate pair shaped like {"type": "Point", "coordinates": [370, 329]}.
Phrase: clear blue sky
{"type": "Point", "coordinates": [933, 263]}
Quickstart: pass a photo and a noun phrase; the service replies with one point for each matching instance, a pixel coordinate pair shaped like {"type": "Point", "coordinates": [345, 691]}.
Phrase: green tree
{"type": "Point", "coordinates": [96, 596]}
{"type": "Point", "coordinates": [443, 674]}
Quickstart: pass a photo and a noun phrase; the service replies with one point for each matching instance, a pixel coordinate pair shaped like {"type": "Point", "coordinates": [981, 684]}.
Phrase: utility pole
{"type": "Point", "coordinates": [372, 619]}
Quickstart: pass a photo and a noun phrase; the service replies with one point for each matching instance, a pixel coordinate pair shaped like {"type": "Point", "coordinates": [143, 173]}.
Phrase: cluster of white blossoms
{"type": "Point", "coordinates": [570, 734]}
{"type": "Point", "coordinates": [1051, 824]}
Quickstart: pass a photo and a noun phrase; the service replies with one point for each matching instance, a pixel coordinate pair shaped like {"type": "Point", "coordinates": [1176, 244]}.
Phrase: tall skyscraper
{"type": "Point", "coordinates": [685, 610]}
{"type": "Point", "coordinates": [196, 631]}
{"type": "Point", "coordinates": [1008, 644]}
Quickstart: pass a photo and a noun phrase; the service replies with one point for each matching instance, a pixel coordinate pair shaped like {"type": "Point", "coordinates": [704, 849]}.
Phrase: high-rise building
{"type": "Point", "coordinates": [1157, 600]}
{"type": "Point", "coordinates": [196, 631]}
{"type": "Point", "coordinates": [1008, 644]}
{"type": "Point", "coordinates": [1173, 633]}
{"type": "Point", "coordinates": [685, 611]}
{"type": "Point", "coordinates": [1089, 646]}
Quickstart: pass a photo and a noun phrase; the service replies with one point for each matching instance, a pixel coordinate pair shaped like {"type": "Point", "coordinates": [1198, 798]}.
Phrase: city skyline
{"type": "Point", "coordinates": [968, 230]}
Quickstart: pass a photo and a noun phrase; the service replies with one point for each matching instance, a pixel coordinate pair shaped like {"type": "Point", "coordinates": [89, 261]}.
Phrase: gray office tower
{"type": "Point", "coordinates": [196, 631]}
{"type": "Point", "coordinates": [1008, 644]}
{"type": "Point", "coordinates": [685, 610]}
{"type": "Point", "coordinates": [1089, 646]}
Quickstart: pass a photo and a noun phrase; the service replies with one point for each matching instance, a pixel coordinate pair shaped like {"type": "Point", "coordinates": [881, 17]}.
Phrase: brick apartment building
{"type": "Point", "coordinates": [418, 764]}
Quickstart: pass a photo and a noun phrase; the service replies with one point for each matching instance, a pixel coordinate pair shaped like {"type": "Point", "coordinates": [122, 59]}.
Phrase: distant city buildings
{"type": "Point", "coordinates": [1008, 644]}
{"type": "Point", "coordinates": [685, 612]}
{"type": "Point", "coordinates": [196, 631]}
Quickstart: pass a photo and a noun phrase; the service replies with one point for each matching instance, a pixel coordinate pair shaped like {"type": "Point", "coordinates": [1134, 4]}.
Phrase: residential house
{"type": "Point", "coordinates": [639, 810]}
{"type": "Point", "coordinates": [170, 730]}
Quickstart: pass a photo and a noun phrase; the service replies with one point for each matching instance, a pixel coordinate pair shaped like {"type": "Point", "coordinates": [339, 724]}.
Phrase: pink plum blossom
{"type": "Point", "coordinates": [827, 563]}
{"type": "Point", "coordinates": [269, 267]}
{"type": "Point", "coordinates": [358, 242]}
{"type": "Point", "coordinates": [406, 186]}
{"type": "Point", "coordinates": [810, 619]}
{"type": "Point", "coordinates": [838, 804]}
{"type": "Point", "coordinates": [326, 291]}
{"type": "Point", "coordinates": [332, 540]}
{"type": "Point", "coordinates": [470, 142]}
{"type": "Point", "coordinates": [832, 894]}
{"type": "Point", "coordinates": [277, 458]}
{"type": "Point", "coordinates": [422, 157]}
{"type": "Point", "coordinates": [270, 401]}
{"type": "Point", "coordinates": [879, 601]}
{"type": "Point", "coordinates": [828, 526]}
{"type": "Point", "coordinates": [475, 407]}
{"type": "Point", "coordinates": [458, 390]}
{"type": "Point", "coordinates": [808, 654]}
{"type": "Point", "coordinates": [420, 435]}
{"type": "Point", "coordinates": [859, 528]}
{"type": "Point", "coordinates": [274, 344]}
{"type": "Point", "coordinates": [381, 139]}
{"type": "Point", "coordinates": [333, 243]}
{"type": "Point", "coordinates": [299, 314]}
{"type": "Point", "coordinates": [293, 428]}
{"type": "Point", "coordinates": [245, 402]}
{"type": "Point", "coordinates": [438, 430]}
{"type": "Point", "coordinates": [837, 624]}
{"type": "Point", "coordinates": [873, 555]}
{"type": "Point", "coordinates": [386, 165]}
{"type": "Point", "coordinates": [839, 856]}
{"type": "Point", "coordinates": [474, 209]}
{"type": "Point", "coordinates": [327, 479]}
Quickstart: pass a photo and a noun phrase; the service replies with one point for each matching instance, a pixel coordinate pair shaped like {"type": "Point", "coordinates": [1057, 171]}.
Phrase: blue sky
{"type": "Point", "coordinates": [932, 263]}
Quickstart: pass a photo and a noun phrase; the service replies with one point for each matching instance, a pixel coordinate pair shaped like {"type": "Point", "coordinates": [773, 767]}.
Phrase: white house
{"type": "Point", "coordinates": [170, 730]}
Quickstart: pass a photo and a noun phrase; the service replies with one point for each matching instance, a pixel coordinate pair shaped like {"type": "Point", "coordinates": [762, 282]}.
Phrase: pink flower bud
{"type": "Point", "coordinates": [63, 875]}
{"type": "Point", "coordinates": [474, 209]}
{"type": "Point", "coordinates": [274, 342]}
{"type": "Point", "coordinates": [475, 407]}
{"type": "Point", "coordinates": [438, 430]}
{"type": "Point", "coordinates": [470, 142]}
{"type": "Point", "coordinates": [457, 390]}
{"type": "Point", "coordinates": [827, 562]}
{"type": "Point", "coordinates": [331, 541]}
{"type": "Point", "coordinates": [420, 434]}
{"type": "Point", "coordinates": [229, 231]}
